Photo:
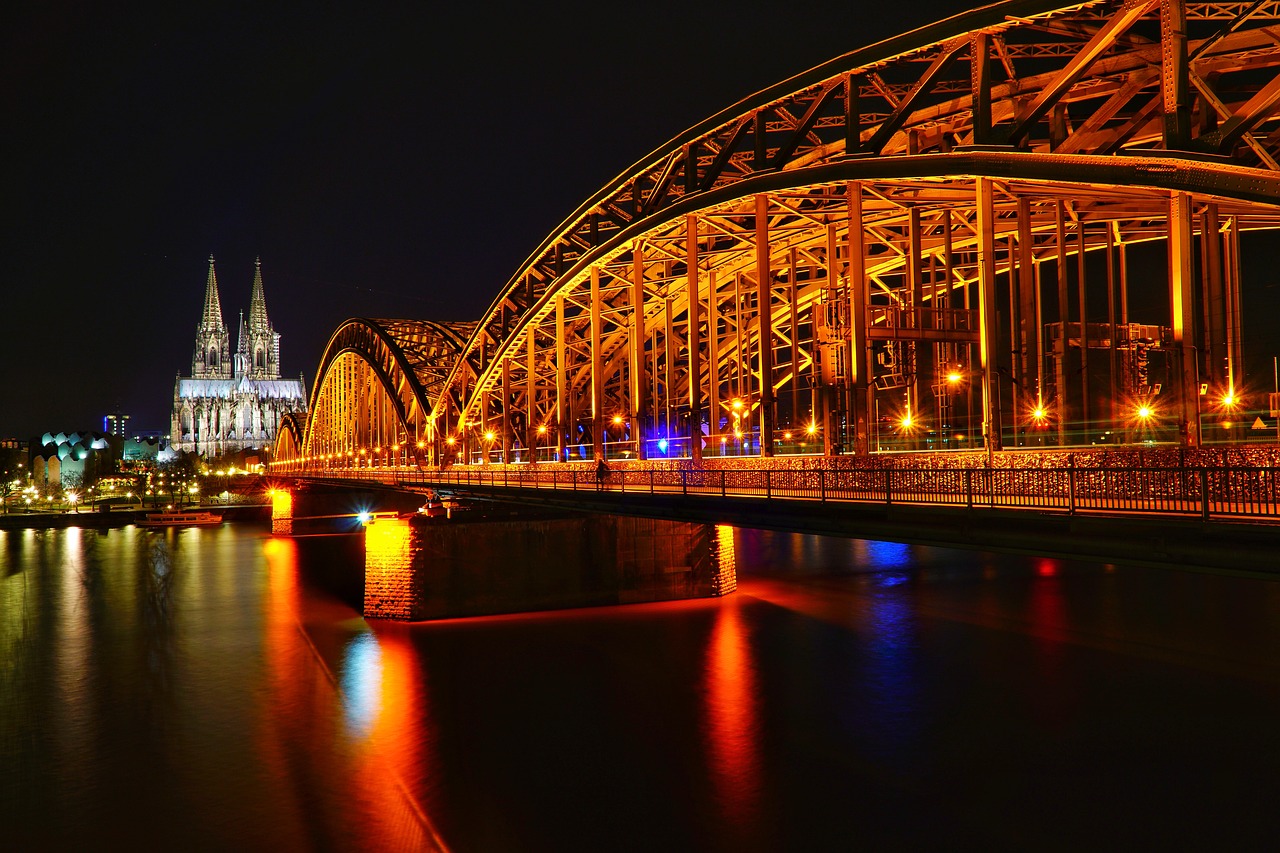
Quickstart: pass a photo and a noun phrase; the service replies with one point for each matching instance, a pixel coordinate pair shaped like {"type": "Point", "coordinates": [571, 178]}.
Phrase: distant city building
{"type": "Point", "coordinates": [143, 452]}
{"type": "Point", "coordinates": [70, 458]}
{"type": "Point", "coordinates": [232, 402]}
{"type": "Point", "coordinates": [116, 424]}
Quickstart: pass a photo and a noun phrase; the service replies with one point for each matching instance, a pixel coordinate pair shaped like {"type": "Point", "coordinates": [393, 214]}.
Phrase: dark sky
{"type": "Point", "coordinates": [383, 160]}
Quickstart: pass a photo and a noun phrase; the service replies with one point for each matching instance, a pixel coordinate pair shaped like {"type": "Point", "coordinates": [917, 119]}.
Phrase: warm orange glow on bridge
{"type": "Point", "coordinates": [823, 252]}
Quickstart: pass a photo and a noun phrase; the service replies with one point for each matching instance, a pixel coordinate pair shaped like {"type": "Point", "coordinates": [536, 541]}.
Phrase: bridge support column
{"type": "Point", "coordinates": [639, 386]}
{"type": "Point", "coordinates": [415, 569]}
{"type": "Point", "coordinates": [764, 307]}
{"type": "Point", "coordinates": [987, 313]}
{"type": "Point", "coordinates": [281, 512]}
{"type": "Point", "coordinates": [598, 418]}
{"type": "Point", "coordinates": [1181, 317]}
{"type": "Point", "coordinates": [531, 401]}
{"type": "Point", "coordinates": [860, 358]}
{"type": "Point", "coordinates": [693, 297]}
{"type": "Point", "coordinates": [562, 397]}
{"type": "Point", "coordinates": [1028, 342]}
{"type": "Point", "coordinates": [506, 411]}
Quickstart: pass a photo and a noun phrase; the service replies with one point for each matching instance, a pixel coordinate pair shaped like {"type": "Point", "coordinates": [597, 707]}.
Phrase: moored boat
{"type": "Point", "coordinates": [177, 518]}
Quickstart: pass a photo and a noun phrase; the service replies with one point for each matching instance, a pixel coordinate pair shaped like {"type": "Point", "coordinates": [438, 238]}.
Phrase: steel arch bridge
{"type": "Point", "coordinates": [936, 241]}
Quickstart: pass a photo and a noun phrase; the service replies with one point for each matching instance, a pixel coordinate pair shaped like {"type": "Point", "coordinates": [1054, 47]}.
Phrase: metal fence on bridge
{"type": "Point", "coordinates": [1205, 492]}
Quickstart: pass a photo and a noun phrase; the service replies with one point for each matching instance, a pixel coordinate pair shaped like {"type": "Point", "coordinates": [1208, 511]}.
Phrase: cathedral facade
{"type": "Point", "coordinates": [233, 400]}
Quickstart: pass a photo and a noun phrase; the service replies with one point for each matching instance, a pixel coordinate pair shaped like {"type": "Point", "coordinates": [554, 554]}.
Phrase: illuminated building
{"type": "Point", "coordinates": [233, 402]}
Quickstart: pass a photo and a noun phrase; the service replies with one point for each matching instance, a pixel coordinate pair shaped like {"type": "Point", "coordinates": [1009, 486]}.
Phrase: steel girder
{"type": "Point", "coordinates": [1045, 77]}
{"type": "Point", "coordinates": [1038, 94]}
{"type": "Point", "coordinates": [873, 190]}
{"type": "Point", "coordinates": [376, 383]}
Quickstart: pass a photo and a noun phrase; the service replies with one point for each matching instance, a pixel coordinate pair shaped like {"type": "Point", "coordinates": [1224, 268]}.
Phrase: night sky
{"type": "Point", "coordinates": [385, 161]}
{"type": "Point", "coordinates": [394, 161]}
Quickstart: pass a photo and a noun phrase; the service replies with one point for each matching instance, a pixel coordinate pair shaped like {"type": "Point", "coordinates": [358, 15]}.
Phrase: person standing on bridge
{"type": "Point", "coordinates": [602, 474]}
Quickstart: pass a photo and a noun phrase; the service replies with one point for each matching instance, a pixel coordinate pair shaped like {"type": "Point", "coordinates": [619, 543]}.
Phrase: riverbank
{"type": "Point", "coordinates": [119, 518]}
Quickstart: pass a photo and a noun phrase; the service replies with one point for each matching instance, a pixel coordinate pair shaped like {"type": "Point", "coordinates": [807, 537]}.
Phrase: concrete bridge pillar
{"type": "Point", "coordinates": [417, 568]}
{"type": "Point", "coordinates": [282, 512]}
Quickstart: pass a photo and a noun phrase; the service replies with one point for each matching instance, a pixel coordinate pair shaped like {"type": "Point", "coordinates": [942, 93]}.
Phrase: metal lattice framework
{"type": "Point", "coordinates": [939, 221]}
{"type": "Point", "coordinates": [375, 389]}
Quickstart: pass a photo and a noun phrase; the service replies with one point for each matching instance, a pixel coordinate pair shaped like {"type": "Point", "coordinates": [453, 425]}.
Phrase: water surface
{"type": "Point", "coordinates": [190, 689]}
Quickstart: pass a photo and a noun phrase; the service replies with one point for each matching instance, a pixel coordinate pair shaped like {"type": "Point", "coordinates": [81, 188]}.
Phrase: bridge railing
{"type": "Point", "coordinates": [1222, 492]}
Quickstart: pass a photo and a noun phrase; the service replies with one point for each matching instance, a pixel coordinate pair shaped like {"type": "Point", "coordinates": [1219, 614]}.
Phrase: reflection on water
{"type": "Point", "coordinates": [362, 683]}
{"type": "Point", "coordinates": [883, 555]}
{"type": "Point", "coordinates": [194, 690]}
{"type": "Point", "coordinates": [732, 717]}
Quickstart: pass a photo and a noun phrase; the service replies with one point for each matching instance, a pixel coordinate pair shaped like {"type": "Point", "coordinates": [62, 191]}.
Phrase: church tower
{"type": "Point", "coordinates": [212, 359]}
{"type": "Point", "coordinates": [260, 352]}
{"type": "Point", "coordinates": [228, 406]}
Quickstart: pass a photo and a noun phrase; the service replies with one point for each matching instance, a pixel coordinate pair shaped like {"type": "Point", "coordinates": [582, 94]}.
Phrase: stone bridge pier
{"type": "Point", "coordinates": [419, 568]}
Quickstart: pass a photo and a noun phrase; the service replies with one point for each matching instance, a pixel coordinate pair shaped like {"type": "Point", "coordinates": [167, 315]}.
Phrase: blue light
{"type": "Point", "coordinates": [662, 445]}
{"type": "Point", "coordinates": [364, 516]}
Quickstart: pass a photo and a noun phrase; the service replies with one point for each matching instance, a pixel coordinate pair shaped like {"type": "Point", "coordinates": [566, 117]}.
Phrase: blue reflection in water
{"type": "Point", "coordinates": [890, 648]}
{"type": "Point", "coordinates": [887, 555]}
{"type": "Point", "coordinates": [362, 683]}
{"type": "Point", "coordinates": [891, 669]}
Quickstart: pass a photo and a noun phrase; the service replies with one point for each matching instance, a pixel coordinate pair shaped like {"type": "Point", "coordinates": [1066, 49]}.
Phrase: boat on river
{"type": "Point", "coordinates": [175, 518]}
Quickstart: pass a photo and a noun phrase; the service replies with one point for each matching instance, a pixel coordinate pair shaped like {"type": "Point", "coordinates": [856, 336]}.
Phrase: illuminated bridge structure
{"type": "Point", "coordinates": [1021, 226]}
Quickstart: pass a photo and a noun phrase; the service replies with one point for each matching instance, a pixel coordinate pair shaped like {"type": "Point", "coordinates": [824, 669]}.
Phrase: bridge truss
{"type": "Point", "coordinates": [1017, 226]}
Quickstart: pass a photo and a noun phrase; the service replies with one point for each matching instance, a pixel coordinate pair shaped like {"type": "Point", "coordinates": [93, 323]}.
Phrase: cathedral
{"type": "Point", "coordinates": [233, 401]}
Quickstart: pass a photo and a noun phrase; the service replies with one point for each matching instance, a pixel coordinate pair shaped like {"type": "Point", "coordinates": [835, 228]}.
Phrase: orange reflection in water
{"type": "Point", "coordinates": [733, 716]}
{"type": "Point", "coordinates": [370, 699]}
{"type": "Point", "coordinates": [393, 753]}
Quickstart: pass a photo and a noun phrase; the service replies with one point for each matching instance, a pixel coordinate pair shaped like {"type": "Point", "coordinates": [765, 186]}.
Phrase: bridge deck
{"type": "Point", "coordinates": [1251, 493]}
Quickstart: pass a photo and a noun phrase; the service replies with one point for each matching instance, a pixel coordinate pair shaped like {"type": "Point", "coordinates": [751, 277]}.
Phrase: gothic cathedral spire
{"type": "Point", "coordinates": [258, 321]}
{"type": "Point", "coordinates": [264, 342]}
{"type": "Point", "coordinates": [212, 359]}
{"type": "Point", "coordinates": [234, 400]}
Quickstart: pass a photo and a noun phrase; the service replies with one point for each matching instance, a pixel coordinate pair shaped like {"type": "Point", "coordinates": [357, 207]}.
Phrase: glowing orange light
{"type": "Point", "coordinates": [737, 433]}
{"type": "Point", "coordinates": [450, 441]}
{"type": "Point", "coordinates": [542, 429]}
{"type": "Point", "coordinates": [1039, 413]}
{"type": "Point", "coordinates": [421, 444]}
{"type": "Point", "coordinates": [953, 377]}
{"type": "Point", "coordinates": [1145, 412]}
{"type": "Point", "coordinates": [811, 429]}
{"type": "Point", "coordinates": [617, 419]}
{"type": "Point", "coordinates": [733, 711]}
{"type": "Point", "coordinates": [787, 435]}
{"type": "Point", "coordinates": [737, 404]}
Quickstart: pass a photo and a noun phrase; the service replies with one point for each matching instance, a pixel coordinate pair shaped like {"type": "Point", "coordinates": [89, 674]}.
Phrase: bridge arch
{"type": "Point", "coordinates": [990, 141]}
{"type": "Point", "coordinates": [373, 394]}
{"type": "Point", "coordinates": [944, 240]}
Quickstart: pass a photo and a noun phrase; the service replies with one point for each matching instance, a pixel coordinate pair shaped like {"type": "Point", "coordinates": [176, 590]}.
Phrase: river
{"type": "Point", "coordinates": [190, 689]}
